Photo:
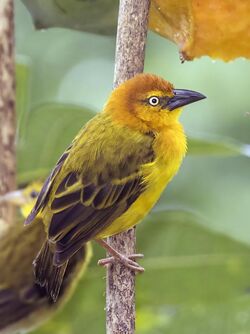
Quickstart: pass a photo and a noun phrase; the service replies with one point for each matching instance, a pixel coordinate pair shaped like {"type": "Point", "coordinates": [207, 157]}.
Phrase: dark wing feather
{"type": "Point", "coordinates": [80, 215]}
{"type": "Point", "coordinates": [43, 196]}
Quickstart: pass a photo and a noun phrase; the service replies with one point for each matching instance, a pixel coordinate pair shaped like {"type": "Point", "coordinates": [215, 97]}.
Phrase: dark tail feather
{"type": "Point", "coordinates": [55, 281]}
{"type": "Point", "coordinates": [41, 265]}
{"type": "Point", "coordinates": [47, 274]}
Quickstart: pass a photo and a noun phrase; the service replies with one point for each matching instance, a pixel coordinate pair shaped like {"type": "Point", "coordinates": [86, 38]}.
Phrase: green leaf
{"type": "Point", "coordinates": [23, 73]}
{"type": "Point", "coordinates": [99, 16]}
{"type": "Point", "coordinates": [50, 129]}
{"type": "Point", "coordinates": [217, 146]}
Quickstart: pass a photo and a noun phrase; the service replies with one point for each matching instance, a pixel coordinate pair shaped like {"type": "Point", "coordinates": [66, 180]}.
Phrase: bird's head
{"type": "Point", "coordinates": [148, 102]}
{"type": "Point", "coordinates": [24, 198]}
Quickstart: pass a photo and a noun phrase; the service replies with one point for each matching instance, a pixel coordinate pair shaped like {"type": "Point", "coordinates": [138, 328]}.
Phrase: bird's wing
{"type": "Point", "coordinates": [80, 215]}
{"type": "Point", "coordinates": [43, 196]}
{"type": "Point", "coordinates": [86, 202]}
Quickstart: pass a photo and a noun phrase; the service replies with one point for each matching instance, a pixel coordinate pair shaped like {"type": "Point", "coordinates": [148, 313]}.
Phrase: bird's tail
{"type": "Point", "coordinates": [54, 278]}
{"type": "Point", "coordinates": [48, 275]}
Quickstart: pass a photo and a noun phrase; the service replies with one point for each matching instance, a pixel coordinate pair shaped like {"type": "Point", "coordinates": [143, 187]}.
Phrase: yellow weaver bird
{"type": "Point", "coordinates": [111, 175]}
{"type": "Point", "coordinates": [23, 303]}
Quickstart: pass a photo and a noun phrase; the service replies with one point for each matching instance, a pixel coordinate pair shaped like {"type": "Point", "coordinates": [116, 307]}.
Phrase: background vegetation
{"type": "Point", "coordinates": [197, 240]}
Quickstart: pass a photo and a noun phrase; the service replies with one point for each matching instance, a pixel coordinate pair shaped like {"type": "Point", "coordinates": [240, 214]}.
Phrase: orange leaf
{"type": "Point", "coordinates": [216, 28]}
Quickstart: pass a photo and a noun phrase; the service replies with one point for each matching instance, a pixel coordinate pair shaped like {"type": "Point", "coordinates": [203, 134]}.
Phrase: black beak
{"type": "Point", "coordinates": [182, 97]}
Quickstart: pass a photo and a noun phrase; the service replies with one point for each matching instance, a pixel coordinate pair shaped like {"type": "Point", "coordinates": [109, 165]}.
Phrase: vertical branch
{"type": "Point", "coordinates": [7, 105]}
{"type": "Point", "coordinates": [131, 39]}
{"type": "Point", "coordinates": [130, 52]}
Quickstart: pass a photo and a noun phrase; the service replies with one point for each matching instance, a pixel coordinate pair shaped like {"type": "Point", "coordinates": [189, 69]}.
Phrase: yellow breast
{"type": "Point", "coordinates": [170, 149]}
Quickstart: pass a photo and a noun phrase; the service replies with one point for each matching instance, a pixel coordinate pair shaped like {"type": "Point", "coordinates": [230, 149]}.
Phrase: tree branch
{"type": "Point", "coordinates": [7, 105]}
{"type": "Point", "coordinates": [130, 52]}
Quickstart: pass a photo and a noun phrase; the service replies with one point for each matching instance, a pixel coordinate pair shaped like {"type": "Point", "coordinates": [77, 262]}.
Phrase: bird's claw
{"type": "Point", "coordinates": [125, 260]}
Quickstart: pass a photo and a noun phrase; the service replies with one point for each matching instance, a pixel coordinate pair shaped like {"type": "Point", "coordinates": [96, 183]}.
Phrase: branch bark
{"type": "Point", "coordinates": [7, 105]}
{"type": "Point", "coordinates": [129, 60]}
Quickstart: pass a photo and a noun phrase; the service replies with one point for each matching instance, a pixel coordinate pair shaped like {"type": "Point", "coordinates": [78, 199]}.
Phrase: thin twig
{"type": "Point", "coordinates": [7, 105]}
{"type": "Point", "coordinates": [130, 52]}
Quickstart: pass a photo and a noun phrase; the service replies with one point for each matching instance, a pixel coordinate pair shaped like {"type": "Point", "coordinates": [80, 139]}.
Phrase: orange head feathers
{"type": "Point", "coordinates": [148, 102]}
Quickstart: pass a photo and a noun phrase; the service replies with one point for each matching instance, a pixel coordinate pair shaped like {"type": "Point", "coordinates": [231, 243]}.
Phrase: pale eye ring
{"type": "Point", "coordinates": [154, 101]}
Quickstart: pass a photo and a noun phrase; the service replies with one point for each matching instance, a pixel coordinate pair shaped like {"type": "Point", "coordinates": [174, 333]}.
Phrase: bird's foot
{"type": "Point", "coordinates": [125, 260]}
{"type": "Point", "coordinates": [118, 257]}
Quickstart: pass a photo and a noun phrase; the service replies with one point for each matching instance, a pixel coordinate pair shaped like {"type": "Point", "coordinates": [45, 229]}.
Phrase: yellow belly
{"type": "Point", "coordinates": [158, 176]}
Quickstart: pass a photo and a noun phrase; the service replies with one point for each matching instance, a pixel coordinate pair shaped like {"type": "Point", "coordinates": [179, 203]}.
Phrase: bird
{"type": "Point", "coordinates": [23, 303]}
{"type": "Point", "coordinates": [111, 175]}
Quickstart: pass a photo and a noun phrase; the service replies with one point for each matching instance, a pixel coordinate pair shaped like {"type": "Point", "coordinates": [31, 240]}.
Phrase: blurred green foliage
{"type": "Point", "coordinates": [197, 240]}
{"type": "Point", "coordinates": [98, 16]}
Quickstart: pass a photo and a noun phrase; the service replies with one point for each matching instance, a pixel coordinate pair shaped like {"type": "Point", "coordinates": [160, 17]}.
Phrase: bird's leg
{"type": "Point", "coordinates": [116, 256]}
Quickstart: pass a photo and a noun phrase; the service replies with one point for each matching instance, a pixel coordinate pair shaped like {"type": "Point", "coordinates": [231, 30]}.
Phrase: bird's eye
{"type": "Point", "coordinates": [34, 194]}
{"type": "Point", "coordinates": [154, 101]}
